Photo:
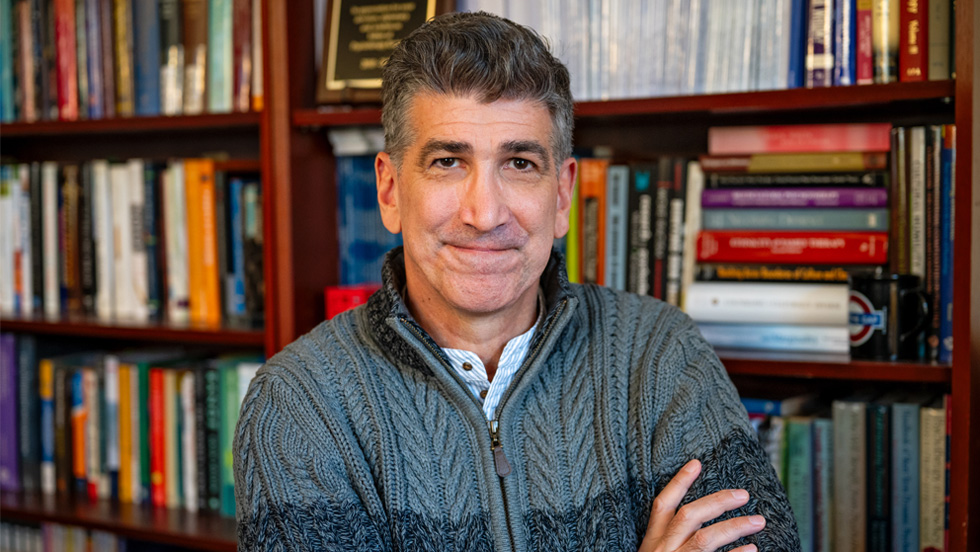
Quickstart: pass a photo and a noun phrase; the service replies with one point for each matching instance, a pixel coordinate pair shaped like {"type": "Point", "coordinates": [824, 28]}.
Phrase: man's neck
{"type": "Point", "coordinates": [485, 334]}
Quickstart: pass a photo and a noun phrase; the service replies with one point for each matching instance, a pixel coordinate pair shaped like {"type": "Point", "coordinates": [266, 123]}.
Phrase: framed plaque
{"type": "Point", "coordinates": [361, 34]}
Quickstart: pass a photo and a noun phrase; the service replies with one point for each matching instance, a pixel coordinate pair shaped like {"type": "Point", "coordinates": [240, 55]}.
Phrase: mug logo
{"type": "Point", "coordinates": [863, 319]}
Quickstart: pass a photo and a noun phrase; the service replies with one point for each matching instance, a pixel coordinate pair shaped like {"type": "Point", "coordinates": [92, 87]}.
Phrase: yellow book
{"type": "Point", "coordinates": [125, 436]}
{"type": "Point", "coordinates": [202, 242]}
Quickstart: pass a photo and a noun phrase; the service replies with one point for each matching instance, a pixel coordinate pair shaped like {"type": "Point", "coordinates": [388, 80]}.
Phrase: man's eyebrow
{"type": "Point", "coordinates": [528, 146]}
{"type": "Point", "coordinates": [448, 146]}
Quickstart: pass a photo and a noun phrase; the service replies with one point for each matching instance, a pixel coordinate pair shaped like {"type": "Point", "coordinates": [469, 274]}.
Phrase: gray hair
{"type": "Point", "coordinates": [478, 54]}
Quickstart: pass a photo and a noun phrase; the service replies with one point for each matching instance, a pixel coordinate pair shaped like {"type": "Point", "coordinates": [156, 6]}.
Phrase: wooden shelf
{"type": "Point", "coordinates": [238, 166]}
{"type": "Point", "coordinates": [132, 125]}
{"type": "Point", "coordinates": [797, 99]}
{"type": "Point", "coordinates": [837, 367]}
{"type": "Point", "coordinates": [137, 331]}
{"type": "Point", "coordinates": [160, 525]}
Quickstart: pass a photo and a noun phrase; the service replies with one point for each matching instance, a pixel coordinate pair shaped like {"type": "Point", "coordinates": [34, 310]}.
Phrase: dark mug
{"type": "Point", "coordinates": [888, 313]}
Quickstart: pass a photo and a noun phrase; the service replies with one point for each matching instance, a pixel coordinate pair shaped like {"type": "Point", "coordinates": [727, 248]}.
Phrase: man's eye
{"type": "Point", "coordinates": [521, 164]}
{"type": "Point", "coordinates": [446, 162]}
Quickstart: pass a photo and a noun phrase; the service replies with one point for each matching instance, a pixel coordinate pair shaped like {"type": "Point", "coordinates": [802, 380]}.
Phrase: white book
{"type": "Point", "coordinates": [850, 457]}
{"type": "Point", "coordinates": [769, 303]}
{"type": "Point", "coordinates": [9, 230]}
{"type": "Point", "coordinates": [93, 429]}
{"type": "Point", "coordinates": [110, 415]}
{"type": "Point", "coordinates": [246, 372]}
{"type": "Point", "coordinates": [175, 221]}
{"type": "Point", "coordinates": [932, 481]}
{"type": "Point", "coordinates": [172, 484]}
{"type": "Point", "coordinates": [220, 67]}
{"type": "Point", "coordinates": [26, 252]}
{"type": "Point", "coordinates": [122, 231]}
{"type": "Point", "coordinates": [617, 225]}
{"type": "Point", "coordinates": [692, 225]}
{"type": "Point", "coordinates": [49, 212]}
{"type": "Point", "coordinates": [172, 74]}
{"type": "Point", "coordinates": [777, 337]}
{"type": "Point", "coordinates": [917, 201]}
{"type": "Point", "coordinates": [188, 440]}
{"type": "Point", "coordinates": [140, 494]}
{"type": "Point", "coordinates": [140, 274]}
{"type": "Point", "coordinates": [105, 271]}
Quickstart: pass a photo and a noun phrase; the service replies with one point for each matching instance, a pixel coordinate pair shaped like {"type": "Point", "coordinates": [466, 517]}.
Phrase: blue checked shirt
{"type": "Point", "coordinates": [473, 373]}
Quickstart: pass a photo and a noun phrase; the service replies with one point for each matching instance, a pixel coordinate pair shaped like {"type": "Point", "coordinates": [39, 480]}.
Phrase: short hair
{"type": "Point", "coordinates": [475, 54]}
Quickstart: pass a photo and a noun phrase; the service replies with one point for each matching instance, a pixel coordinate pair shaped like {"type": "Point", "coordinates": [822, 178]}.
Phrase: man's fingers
{"type": "Point", "coordinates": [692, 516]}
{"type": "Point", "coordinates": [747, 548]}
{"type": "Point", "coordinates": [715, 536]}
{"type": "Point", "coordinates": [666, 503]}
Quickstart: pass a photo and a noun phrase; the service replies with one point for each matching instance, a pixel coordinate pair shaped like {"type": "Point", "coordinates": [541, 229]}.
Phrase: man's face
{"type": "Point", "coordinates": [478, 200]}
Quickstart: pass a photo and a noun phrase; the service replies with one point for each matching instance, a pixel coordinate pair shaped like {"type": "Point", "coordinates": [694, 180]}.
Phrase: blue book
{"type": "Point", "coordinates": [797, 43]}
{"type": "Point", "coordinates": [845, 38]}
{"type": "Point", "coordinates": [947, 194]}
{"type": "Point", "coordinates": [799, 477]}
{"type": "Point", "coordinates": [146, 57]}
{"type": "Point", "coordinates": [790, 406]}
{"type": "Point", "coordinates": [78, 415]}
{"type": "Point", "coordinates": [151, 236]}
{"type": "Point", "coordinates": [905, 474]}
{"type": "Point", "coordinates": [6, 61]}
{"type": "Point", "coordinates": [868, 220]}
{"type": "Point", "coordinates": [236, 275]}
{"type": "Point", "coordinates": [363, 239]}
{"type": "Point", "coordinates": [93, 49]}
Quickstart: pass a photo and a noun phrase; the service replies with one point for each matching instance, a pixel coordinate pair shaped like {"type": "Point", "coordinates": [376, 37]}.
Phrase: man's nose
{"type": "Point", "coordinates": [482, 202]}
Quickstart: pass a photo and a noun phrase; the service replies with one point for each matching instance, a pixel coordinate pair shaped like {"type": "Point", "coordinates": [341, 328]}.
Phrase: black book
{"type": "Point", "coordinates": [661, 211]}
{"type": "Point", "coordinates": [640, 238]}
{"type": "Point", "coordinates": [151, 239]}
{"type": "Point", "coordinates": [208, 414]}
{"type": "Point", "coordinates": [254, 276]}
{"type": "Point", "coordinates": [222, 235]}
{"type": "Point", "coordinates": [37, 239]}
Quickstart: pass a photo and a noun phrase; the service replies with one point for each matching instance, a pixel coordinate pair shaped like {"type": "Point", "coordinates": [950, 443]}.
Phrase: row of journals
{"type": "Point", "coordinates": [131, 241]}
{"type": "Point", "coordinates": [143, 426]}
{"type": "Point", "coordinates": [91, 59]}
{"type": "Point", "coordinates": [710, 46]}
{"type": "Point", "coordinates": [864, 472]}
{"type": "Point", "coordinates": [56, 537]}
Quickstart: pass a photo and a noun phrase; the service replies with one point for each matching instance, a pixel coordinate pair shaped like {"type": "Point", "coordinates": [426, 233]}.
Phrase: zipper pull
{"type": "Point", "coordinates": [499, 458]}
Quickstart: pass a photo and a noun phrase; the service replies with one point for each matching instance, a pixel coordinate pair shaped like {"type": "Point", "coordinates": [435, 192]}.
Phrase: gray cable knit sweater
{"type": "Point", "coordinates": [358, 436]}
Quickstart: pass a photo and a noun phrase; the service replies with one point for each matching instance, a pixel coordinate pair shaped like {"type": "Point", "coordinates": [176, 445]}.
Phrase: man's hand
{"type": "Point", "coordinates": [672, 529]}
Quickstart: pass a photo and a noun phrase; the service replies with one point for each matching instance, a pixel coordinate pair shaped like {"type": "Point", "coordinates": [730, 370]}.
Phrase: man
{"type": "Point", "coordinates": [479, 401]}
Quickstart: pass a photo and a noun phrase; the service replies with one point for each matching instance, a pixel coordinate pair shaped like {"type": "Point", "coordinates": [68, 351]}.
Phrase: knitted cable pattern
{"type": "Point", "coordinates": [358, 436]}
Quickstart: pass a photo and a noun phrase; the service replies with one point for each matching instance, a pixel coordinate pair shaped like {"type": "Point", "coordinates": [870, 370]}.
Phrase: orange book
{"type": "Point", "coordinates": [202, 242]}
{"type": "Point", "coordinates": [158, 451]}
{"type": "Point", "coordinates": [125, 436]}
{"type": "Point", "coordinates": [592, 213]}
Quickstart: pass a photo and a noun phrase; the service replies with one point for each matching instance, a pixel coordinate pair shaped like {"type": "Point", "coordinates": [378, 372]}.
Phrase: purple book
{"type": "Point", "coordinates": [9, 452]}
{"type": "Point", "coordinates": [795, 197]}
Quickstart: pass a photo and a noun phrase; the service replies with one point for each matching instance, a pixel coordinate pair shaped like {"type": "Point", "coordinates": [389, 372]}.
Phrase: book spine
{"type": "Point", "coordinates": [845, 42]}
{"type": "Point", "coordinates": [905, 477]}
{"type": "Point", "coordinates": [28, 413]}
{"type": "Point", "coordinates": [139, 276]}
{"type": "Point", "coordinates": [171, 449]}
{"type": "Point", "coordinates": [122, 21]}
{"type": "Point", "coordinates": [830, 138]}
{"type": "Point", "coordinates": [66, 60]}
{"type": "Point", "coordinates": [793, 247]}
{"type": "Point", "coordinates": [869, 220]}
{"type": "Point", "coordinates": [898, 203]}
{"type": "Point", "coordinates": [768, 303]}
{"type": "Point", "coordinates": [819, 50]}
{"type": "Point", "coordinates": [93, 51]}
{"type": "Point", "coordinates": [822, 484]}
{"type": "Point", "coordinates": [720, 272]}
{"type": "Point", "coordinates": [236, 306]}
{"type": "Point", "coordinates": [917, 201]}
{"type": "Point", "coordinates": [175, 215]}
{"type": "Point", "coordinates": [778, 337]}
{"type": "Point", "coordinates": [593, 200]}
{"type": "Point", "coordinates": [241, 40]}
{"type": "Point", "coordinates": [932, 467]}
{"type": "Point", "coordinates": [71, 281]}
{"type": "Point", "coordinates": [813, 180]}
{"type": "Point", "coordinates": [188, 440]}
{"type": "Point", "coordinates": [78, 417]}
{"type": "Point", "coordinates": [692, 224]}
{"type": "Point", "coordinates": [796, 162]}
{"type": "Point", "coordinates": [172, 58]}
{"type": "Point", "coordinates": [111, 423]}
{"type": "Point", "coordinates": [62, 430]}
{"type": "Point", "coordinates": [795, 197]}
{"type": "Point", "coordinates": [151, 240]}
{"type": "Point", "coordinates": [93, 433]}
{"type": "Point", "coordinates": [617, 214]}
{"type": "Point", "coordinates": [106, 52]}
{"type": "Point", "coordinates": [10, 476]}
{"type": "Point", "coordinates": [122, 231]}
{"type": "Point", "coordinates": [885, 37]}
{"type": "Point", "coordinates": [229, 418]}
{"type": "Point", "coordinates": [37, 240]}
{"type": "Point", "coordinates": [661, 214]}
{"type": "Point", "coordinates": [7, 111]}
{"type": "Point", "coordinates": [258, 84]}
{"type": "Point", "coordinates": [126, 417]}
{"type": "Point", "coordinates": [48, 24]}
{"type": "Point", "coordinates": [220, 72]}
{"type": "Point", "coordinates": [933, 241]}
{"type": "Point", "coordinates": [799, 477]}
{"type": "Point", "coordinates": [158, 445]}
{"type": "Point", "coordinates": [253, 251]}
{"type": "Point", "coordinates": [796, 76]}
{"type": "Point", "coordinates": [675, 234]}
{"type": "Point", "coordinates": [104, 246]}
{"type": "Point", "coordinates": [222, 242]}
{"type": "Point", "coordinates": [26, 241]}
{"type": "Point", "coordinates": [46, 398]}
{"type": "Point", "coordinates": [142, 478]}
{"type": "Point", "coordinates": [81, 58]}
{"type": "Point", "coordinates": [195, 19]}
{"type": "Point", "coordinates": [26, 80]}
{"type": "Point", "coordinates": [939, 32]}
{"type": "Point", "coordinates": [146, 56]}
{"type": "Point", "coordinates": [211, 497]}
{"type": "Point", "coordinates": [205, 304]}
{"type": "Point", "coordinates": [947, 198]}
{"type": "Point", "coordinates": [913, 40]}
{"type": "Point", "coordinates": [49, 184]}
{"type": "Point", "coordinates": [86, 241]}
{"type": "Point", "coordinates": [879, 478]}
{"type": "Point", "coordinates": [641, 202]}
{"type": "Point", "coordinates": [850, 476]}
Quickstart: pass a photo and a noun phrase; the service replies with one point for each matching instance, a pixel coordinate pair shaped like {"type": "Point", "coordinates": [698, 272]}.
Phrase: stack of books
{"type": "Point", "coordinates": [862, 472]}
{"type": "Point", "coordinates": [137, 241]}
{"type": "Point", "coordinates": [56, 536]}
{"type": "Point", "coordinates": [150, 427]}
{"type": "Point", "coordinates": [64, 60]}
{"type": "Point", "coordinates": [788, 212]}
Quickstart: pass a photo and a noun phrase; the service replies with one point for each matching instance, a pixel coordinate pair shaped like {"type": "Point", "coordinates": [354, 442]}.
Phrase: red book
{"type": "Point", "coordinates": [913, 41]}
{"type": "Point", "coordinates": [158, 456]}
{"type": "Point", "coordinates": [864, 64]}
{"type": "Point", "coordinates": [739, 246]}
{"type": "Point", "coordinates": [66, 52]}
{"type": "Point", "coordinates": [799, 138]}
{"type": "Point", "coordinates": [341, 298]}
{"type": "Point", "coordinates": [592, 213]}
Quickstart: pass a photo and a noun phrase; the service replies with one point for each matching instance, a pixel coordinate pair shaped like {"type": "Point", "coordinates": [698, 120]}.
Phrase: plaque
{"type": "Point", "coordinates": [361, 34]}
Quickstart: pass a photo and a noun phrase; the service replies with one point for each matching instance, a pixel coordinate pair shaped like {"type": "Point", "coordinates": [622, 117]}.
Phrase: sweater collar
{"type": "Point", "coordinates": [386, 308]}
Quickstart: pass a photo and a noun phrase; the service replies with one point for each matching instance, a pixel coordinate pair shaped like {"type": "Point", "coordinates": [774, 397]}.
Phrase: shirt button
{"type": "Point", "coordinates": [467, 366]}
{"type": "Point", "coordinates": [483, 394]}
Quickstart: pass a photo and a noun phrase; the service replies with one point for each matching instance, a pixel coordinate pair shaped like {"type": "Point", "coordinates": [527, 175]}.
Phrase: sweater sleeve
{"type": "Point", "coordinates": [297, 471]}
{"type": "Point", "coordinates": [704, 419]}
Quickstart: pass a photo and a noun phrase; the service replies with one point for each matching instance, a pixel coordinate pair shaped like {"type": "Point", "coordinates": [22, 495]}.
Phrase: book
{"type": "Point", "coordinates": [28, 411]}
{"type": "Point", "coordinates": [898, 198]}
{"type": "Point", "coordinates": [932, 474]}
{"type": "Point", "coordinates": [641, 215]}
{"type": "Point", "coordinates": [879, 478]}
{"type": "Point", "coordinates": [158, 443]}
{"type": "Point", "coordinates": [848, 161]}
{"type": "Point", "coordinates": [913, 40]}
{"type": "Point", "coordinates": [617, 215]}
{"type": "Point", "coordinates": [172, 58]}
{"type": "Point", "coordinates": [174, 203]}
{"type": "Point", "coordinates": [933, 239]}
{"type": "Point", "coordinates": [845, 42]}
{"type": "Point", "coordinates": [675, 233]}
{"type": "Point", "coordinates": [592, 197]}
{"type": "Point", "coordinates": [723, 272]}
{"type": "Point", "coordinates": [939, 32]}
{"type": "Point", "coordinates": [67, 59]}
{"type": "Point", "coordinates": [37, 239]}
{"type": "Point", "coordinates": [777, 337]}
{"type": "Point", "coordinates": [220, 70]}
{"type": "Point", "coordinates": [195, 28]}
{"type": "Point", "coordinates": [661, 212]}
{"type": "Point", "coordinates": [872, 220]}
{"type": "Point", "coordinates": [823, 429]}
{"type": "Point", "coordinates": [768, 303]}
{"type": "Point", "coordinates": [795, 197]}
{"type": "Point", "coordinates": [140, 256]}
{"type": "Point", "coordinates": [917, 200]}
{"type": "Point", "coordinates": [235, 285]}
{"type": "Point", "coordinates": [849, 417]}
{"type": "Point", "coordinates": [794, 405]}
{"type": "Point", "coordinates": [252, 249]}
{"type": "Point", "coordinates": [107, 53]}
{"type": "Point", "coordinates": [258, 85]}
{"type": "Point", "coordinates": [150, 180]}
{"type": "Point", "coordinates": [205, 303]}
{"type": "Point", "coordinates": [188, 439]}
{"type": "Point", "coordinates": [103, 234]}
{"type": "Point", "coordinates": [10, 477]}
{"type": "Point", "coordinates": [885, 40]}
{"type": "Point", "coordinates": [241, 41]}
{"type": "Point", "coordinates": [124, 296]}
{"type": "Point", "coordinates": [125, 74]}
{"type": "Point", "coordinates": [793, 247]}
{"type": "Point", "coordinates": [126, 489]}
{"type": "Point", "coordinates": [49, 187]}
{"type": "Point", "coordinates": [819, 44]}
{"type": "Point", "coordinates": [572, 243]}
{"type": "Point", "coordinates": [692, 225]}
{"type": "Point", "coordinates": [842, 137]}
{"type": "Point", "coordinates": [111, 425]}
{"type": "Point", "coordinates": [69, 243]}
{"type": "Point", "coordinates": [8, 112]}
{"type": "Point", "coordinates": [86, 241]}
{"type": "Point", "coordinates": [362, 238]}
{"type": "Point", "coordinates": [799, 477]}
{"type": "Point", "coordinates": [172, 483]}
{"type": "Point", "coordinates": [208, 417]}
{"type": "Point", "coordinates": [905, 454]}
{"type": "Point", "coordinates": [81, 58]}
{"type": "Point", "coordinates": [947, 227]}
{"type": "Point", "coordinates": [796, 76]}
{"type": "Point", "coordinates": [813, 180]}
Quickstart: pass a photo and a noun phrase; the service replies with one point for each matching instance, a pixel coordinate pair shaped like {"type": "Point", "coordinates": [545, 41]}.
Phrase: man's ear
{"type": "Point", "coordinates": [566, 190]}
{"type": "Point", "coordinates": [387, 176]}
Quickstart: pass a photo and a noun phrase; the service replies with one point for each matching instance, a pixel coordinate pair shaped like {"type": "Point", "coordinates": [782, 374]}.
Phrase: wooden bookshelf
{"type": "Point", "coordinates": [135, 125]}
{"type": "Point", "coordinates": [835, 367]}
{"type": "Point", "coordinates": [137, 331]}
{"type": "Point", "coordinates": [161, 525]}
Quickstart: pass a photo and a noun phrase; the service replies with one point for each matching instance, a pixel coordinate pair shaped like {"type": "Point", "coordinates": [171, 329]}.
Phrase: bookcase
{"type": "Point", "coordinates": [287, 144]}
